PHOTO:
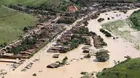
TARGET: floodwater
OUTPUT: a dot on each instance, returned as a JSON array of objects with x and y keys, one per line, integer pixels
[{"x": 118, "y": 49}]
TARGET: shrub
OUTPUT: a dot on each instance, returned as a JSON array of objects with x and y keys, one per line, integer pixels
[
  {"x": 34, "y": 74},
  {"x": 66, "y": 20},
  {"x": 102, "y": 55},
  {"x": 107, "y": 34},
  {"x": 64, "y": 60},
  {"x": 101, "y": 19},
  {"x": 85, "y": 23}
]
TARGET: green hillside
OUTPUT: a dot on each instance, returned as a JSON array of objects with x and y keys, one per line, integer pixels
[
  {"x": 127, "y": 69},
  {"x": 135, "y": 18},
  {"x": 45, "y": 4},
  {"x": 12, "y": 24},
  {"x": 31, "y": 2}
]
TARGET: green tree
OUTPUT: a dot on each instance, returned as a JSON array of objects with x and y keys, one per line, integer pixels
[
  {"x": 102, "y": 55},
  {"x": 64, "y": 60}
]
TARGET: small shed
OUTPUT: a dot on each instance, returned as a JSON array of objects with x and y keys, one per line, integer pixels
[
  {"x": 56, "y": 56},
  {"x": 53, "y": 65}
]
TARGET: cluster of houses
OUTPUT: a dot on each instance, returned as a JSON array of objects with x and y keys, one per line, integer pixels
[
  {"x": 67, "y": 37},
  {"x": 53, "y": 29},
  {"x": 29, "y": 65},
  {"x": 98, "y": 41},
  {"x": 63, "y": 43},
  {"x": 49, "y": 31},
  {"x": 105, "y": 7}
]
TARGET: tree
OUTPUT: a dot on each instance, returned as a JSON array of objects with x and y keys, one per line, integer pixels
[
  {"x": 3, "y": 45},
  {"x": 85, "y": 23},
  {"x": 25, "y": 29},
  {"x": 74, "y": 43},
  {"x": 101, "y": 19},
  {"x": 84, "y": 30},
  {"x": 34, "y": 74},
  {"x": 107, "y": 34},
  {"x": 64, "y": 60},
  {"x": 127, "y": 57},
  {"x": 87, "y": 56},
  {"x": 102, "y": 55}
]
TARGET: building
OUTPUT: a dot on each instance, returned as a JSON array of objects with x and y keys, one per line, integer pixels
[{"x": 72, "y": 8}]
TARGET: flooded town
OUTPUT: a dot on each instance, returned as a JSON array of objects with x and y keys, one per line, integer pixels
[{"x": 83, "y": 42}]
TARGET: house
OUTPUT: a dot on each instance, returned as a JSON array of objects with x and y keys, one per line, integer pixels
[
  {"x": 55, "y": 56},
  {"x": 53, "y": 50},
  {"x": 64, "y": 49},
  {"x": 72, "y": 8},
  {"x": 53, "y": 65},
  {"x": 65, "y": 38},
  {"x": 25, "y": 53},
  {"x": 86, "y": 51}
]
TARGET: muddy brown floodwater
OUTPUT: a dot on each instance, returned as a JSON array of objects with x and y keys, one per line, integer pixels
[{"x": 118, "y": 49}]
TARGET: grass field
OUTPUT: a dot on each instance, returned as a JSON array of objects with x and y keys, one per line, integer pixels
[
  {"x": 124, "y": 29},
  {"x": 12, "y": 24},
  {"x": 32, "y": 2},
  {"x": 47, "y": 4},
  {"x": 120, "y": 28},
  {"x": 126, "y": 69}
]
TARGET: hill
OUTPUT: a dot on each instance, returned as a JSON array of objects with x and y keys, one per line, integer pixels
[
  {"x": 12, "y": 23},
  {"x": 126, "y": 69},
  {"x": 55, "y": 5}
]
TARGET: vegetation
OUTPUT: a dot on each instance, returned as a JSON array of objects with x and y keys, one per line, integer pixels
[
  {"x": 85, "y": 23},
  {"x": 101, "y": 19},
  {"x": 87, "y": 75},
  {"x": 12, "y": 24},
  {"x": 112, "y": 1},
  {"x": 83, "y": 30},
  {"x": 80, "y": 2},
  {"x": 135, "y": 19},
  {"x": 54, "y": 5},
  {"x": 102, "y": 55},
  {"x": 34, "y": 74},
  {"x": 104, "y": 2},
  {"x": 123, "y": 28},
  {"x": 25, "y": 29},
  {"x": 129, "y": 68},
  {"x": 3, "y": 45},
  {"x": 66, "y": 20},
  {"x": 60, "y": 63},
  {"x": 28, "y": 43},
  {"x": 87, "y": 56},
  {"x": 76, "y": 40},
  {"x": 64, "y": 61},
  {"x": 107, "y": 34},
  {"x": 74, "y": 43}
]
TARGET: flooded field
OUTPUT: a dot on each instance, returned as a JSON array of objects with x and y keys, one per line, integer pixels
[{"x": 123, "y": 28}]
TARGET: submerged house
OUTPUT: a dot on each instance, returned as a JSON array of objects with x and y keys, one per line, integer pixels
[{"x": 72, "y": 8}]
